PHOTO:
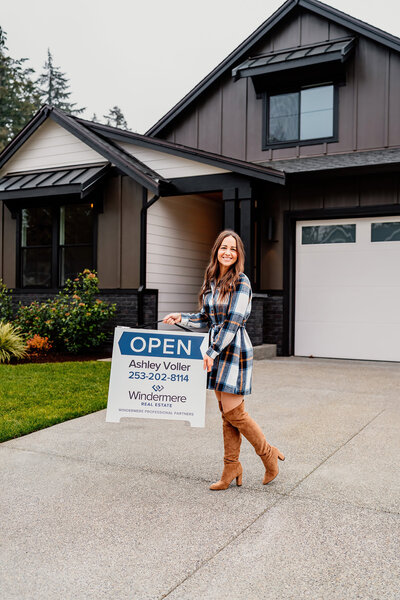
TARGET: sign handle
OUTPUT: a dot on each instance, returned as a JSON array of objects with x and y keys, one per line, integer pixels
[{"x": 160, "y": 321}]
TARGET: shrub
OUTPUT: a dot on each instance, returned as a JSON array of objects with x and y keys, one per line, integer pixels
[
  {"x": 38, "y": 345},
  {"x": 37, "y": 319},
  {"x": 74, "y": 320},
  {"x": 12, "y": 344},
  {"x": 6, "y": 312}
]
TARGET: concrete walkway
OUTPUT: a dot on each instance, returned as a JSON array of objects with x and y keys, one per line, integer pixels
[{"x": 96, "y": 510}]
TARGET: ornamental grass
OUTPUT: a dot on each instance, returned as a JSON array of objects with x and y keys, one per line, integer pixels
[{"x": 12, "y": 343}]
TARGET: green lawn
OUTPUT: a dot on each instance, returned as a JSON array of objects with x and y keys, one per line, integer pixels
[{"x": 34, "y": 396}]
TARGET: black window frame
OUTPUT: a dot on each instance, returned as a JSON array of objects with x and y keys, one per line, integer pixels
[
  {"x": 54, "y": 204},
  {"x": 266, "y": 145}
]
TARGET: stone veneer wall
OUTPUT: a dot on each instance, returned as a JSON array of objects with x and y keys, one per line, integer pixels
[
  {"x": 273, "y": 322},
  {"x": 265, "y": 324}
]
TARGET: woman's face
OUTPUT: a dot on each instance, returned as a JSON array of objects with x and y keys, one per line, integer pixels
[{"x": 227, "y": 253}]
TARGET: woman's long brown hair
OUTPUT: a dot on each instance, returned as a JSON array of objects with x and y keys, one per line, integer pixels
[{"x": 213, "y": 273}]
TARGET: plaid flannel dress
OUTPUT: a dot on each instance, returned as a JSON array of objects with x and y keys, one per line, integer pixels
[{"x": 230, "y": 345}]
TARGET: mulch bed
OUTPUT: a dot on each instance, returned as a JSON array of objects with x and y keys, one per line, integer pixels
[{"x": 55, "y": 357}]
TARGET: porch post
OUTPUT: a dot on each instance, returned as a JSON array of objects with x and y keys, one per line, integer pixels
[
  {"x": 229, "y": 197},
  {"x": 247, "y": 232}
]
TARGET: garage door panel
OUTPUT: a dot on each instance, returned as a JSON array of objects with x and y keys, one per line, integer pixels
[
  {"x": 337, "y": 340},
  {"x": 328, "y": 268},
  {"x": 372, "y": 304},
  {"x": 379, "y": 268},
  {"x": 347, "y": 298}
]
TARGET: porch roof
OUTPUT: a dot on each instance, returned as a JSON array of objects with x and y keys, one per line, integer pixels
[{"x": 78, "y": 180}]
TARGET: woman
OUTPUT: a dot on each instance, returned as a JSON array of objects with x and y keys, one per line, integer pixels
[{"x": 225, "y": 300}]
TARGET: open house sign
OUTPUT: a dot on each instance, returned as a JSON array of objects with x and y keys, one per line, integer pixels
[{"x": 157, "y": 375}]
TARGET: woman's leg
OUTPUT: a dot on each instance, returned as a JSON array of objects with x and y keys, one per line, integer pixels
[
  {"x": 232, "y": 442},
  {"x": 269, "y": 455},
  {"x": 230, "y": 401}
]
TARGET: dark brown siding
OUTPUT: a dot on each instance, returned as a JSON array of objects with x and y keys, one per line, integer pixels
[
  {"x": 119, "y": 234},
  {"x": 394, "y": 100},
  {"x": 2, "y": 208},
  {"x": 234, "y": 101},
  {"x": 210, "y": 113},
  {"x": 9, "y": 248},
  {"x": 228, "y": 118}
]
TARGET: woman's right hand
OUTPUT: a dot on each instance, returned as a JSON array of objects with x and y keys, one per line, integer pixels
[{"x": 172, "y": 318}]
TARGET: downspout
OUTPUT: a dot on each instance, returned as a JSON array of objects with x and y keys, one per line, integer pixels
[{"x": 143, "y": 252}]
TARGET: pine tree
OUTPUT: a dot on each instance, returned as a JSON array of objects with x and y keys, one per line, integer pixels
[
  {"x": 115, "y": 118},
  {"x": 54, "y": 88},
  {"x": 19, "y": 96}
]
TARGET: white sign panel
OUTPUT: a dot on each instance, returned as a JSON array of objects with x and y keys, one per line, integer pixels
[{"x": 157, "y": 375}]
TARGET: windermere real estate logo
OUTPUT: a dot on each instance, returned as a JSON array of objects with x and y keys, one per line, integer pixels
[{"x": 157, "y": 375}]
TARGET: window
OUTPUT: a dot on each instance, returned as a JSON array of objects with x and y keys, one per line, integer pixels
[
  {"x": 301, "y": 117},
  {"x": 328, "y": 234},
  {"x": 56, "y": 243},
  {"x": 385, "y": 232}
]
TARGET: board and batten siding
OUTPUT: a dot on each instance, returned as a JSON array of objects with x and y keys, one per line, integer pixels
[
  {"x": 180, "y": 234},
  {"x": 118, "y": 246},
  {"x": 168, "y": 165},
  {"x": 51, "y": 146},
  {"x": 7, "y": 246},
  {"x": 228, "y": 117}
]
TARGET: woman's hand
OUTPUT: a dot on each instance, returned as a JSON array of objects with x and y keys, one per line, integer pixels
[
  {"x": 172, "y": 318},
  {"x": 208, "y": 363}
]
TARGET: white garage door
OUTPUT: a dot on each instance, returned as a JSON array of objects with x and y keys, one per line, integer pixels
[{"x": 347, "y": 302}]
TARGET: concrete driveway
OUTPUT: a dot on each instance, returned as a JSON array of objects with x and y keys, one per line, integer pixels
[{"x": 93, "y": 510}]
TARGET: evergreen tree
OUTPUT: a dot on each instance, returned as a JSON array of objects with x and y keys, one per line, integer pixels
[
  {"x": 115, "y": 118},
  {"x": 54, "y": 88},
  {"x": 19, "y": 96}
]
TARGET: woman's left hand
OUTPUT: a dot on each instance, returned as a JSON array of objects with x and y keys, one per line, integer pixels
[{"x": 208, "y": 363}]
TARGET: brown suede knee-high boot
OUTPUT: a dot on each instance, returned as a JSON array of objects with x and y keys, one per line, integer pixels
[
  {"x": 240, "y": 419},
  {"x": 232, "y": 466}
]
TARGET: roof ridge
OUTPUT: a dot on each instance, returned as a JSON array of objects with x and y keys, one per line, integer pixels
[{"x": 238, "y": 53}]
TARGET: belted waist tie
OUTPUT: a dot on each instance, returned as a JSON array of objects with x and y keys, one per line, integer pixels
[{"x": 215, "y": 327}]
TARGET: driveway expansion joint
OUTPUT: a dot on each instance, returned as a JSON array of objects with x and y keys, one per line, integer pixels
[{"x": 335, "y": 451}]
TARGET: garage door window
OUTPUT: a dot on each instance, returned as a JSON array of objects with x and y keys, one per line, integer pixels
[
  {"x": 328, "y": 234},
  {"x": 385, "y": 232}
]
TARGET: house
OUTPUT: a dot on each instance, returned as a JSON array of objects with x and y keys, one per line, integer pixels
[{"x": 293, "y": 141}]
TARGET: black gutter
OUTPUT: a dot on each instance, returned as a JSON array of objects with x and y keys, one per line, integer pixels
[{"x": 143, "y": 251}]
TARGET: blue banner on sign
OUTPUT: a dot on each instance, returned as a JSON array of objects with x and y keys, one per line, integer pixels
[{"x": 154, "y": 344}]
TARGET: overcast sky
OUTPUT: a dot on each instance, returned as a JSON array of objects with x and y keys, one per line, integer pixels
[{"x": 145, "y": 55}]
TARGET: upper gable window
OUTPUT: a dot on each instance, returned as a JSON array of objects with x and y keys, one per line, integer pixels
[{"x": 302, "y": 116}]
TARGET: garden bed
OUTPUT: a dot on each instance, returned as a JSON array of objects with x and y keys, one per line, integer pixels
[{"x": 60, "y": 357}]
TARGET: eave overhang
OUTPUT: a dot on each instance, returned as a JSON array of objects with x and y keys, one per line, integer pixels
[{"x": 217, "y": 160}]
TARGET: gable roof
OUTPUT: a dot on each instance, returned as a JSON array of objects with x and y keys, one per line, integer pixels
[
  {"x": 104, "y": 140},
  {"x": 241, "y": 52},
  {"x": 125, "y": 162}
]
